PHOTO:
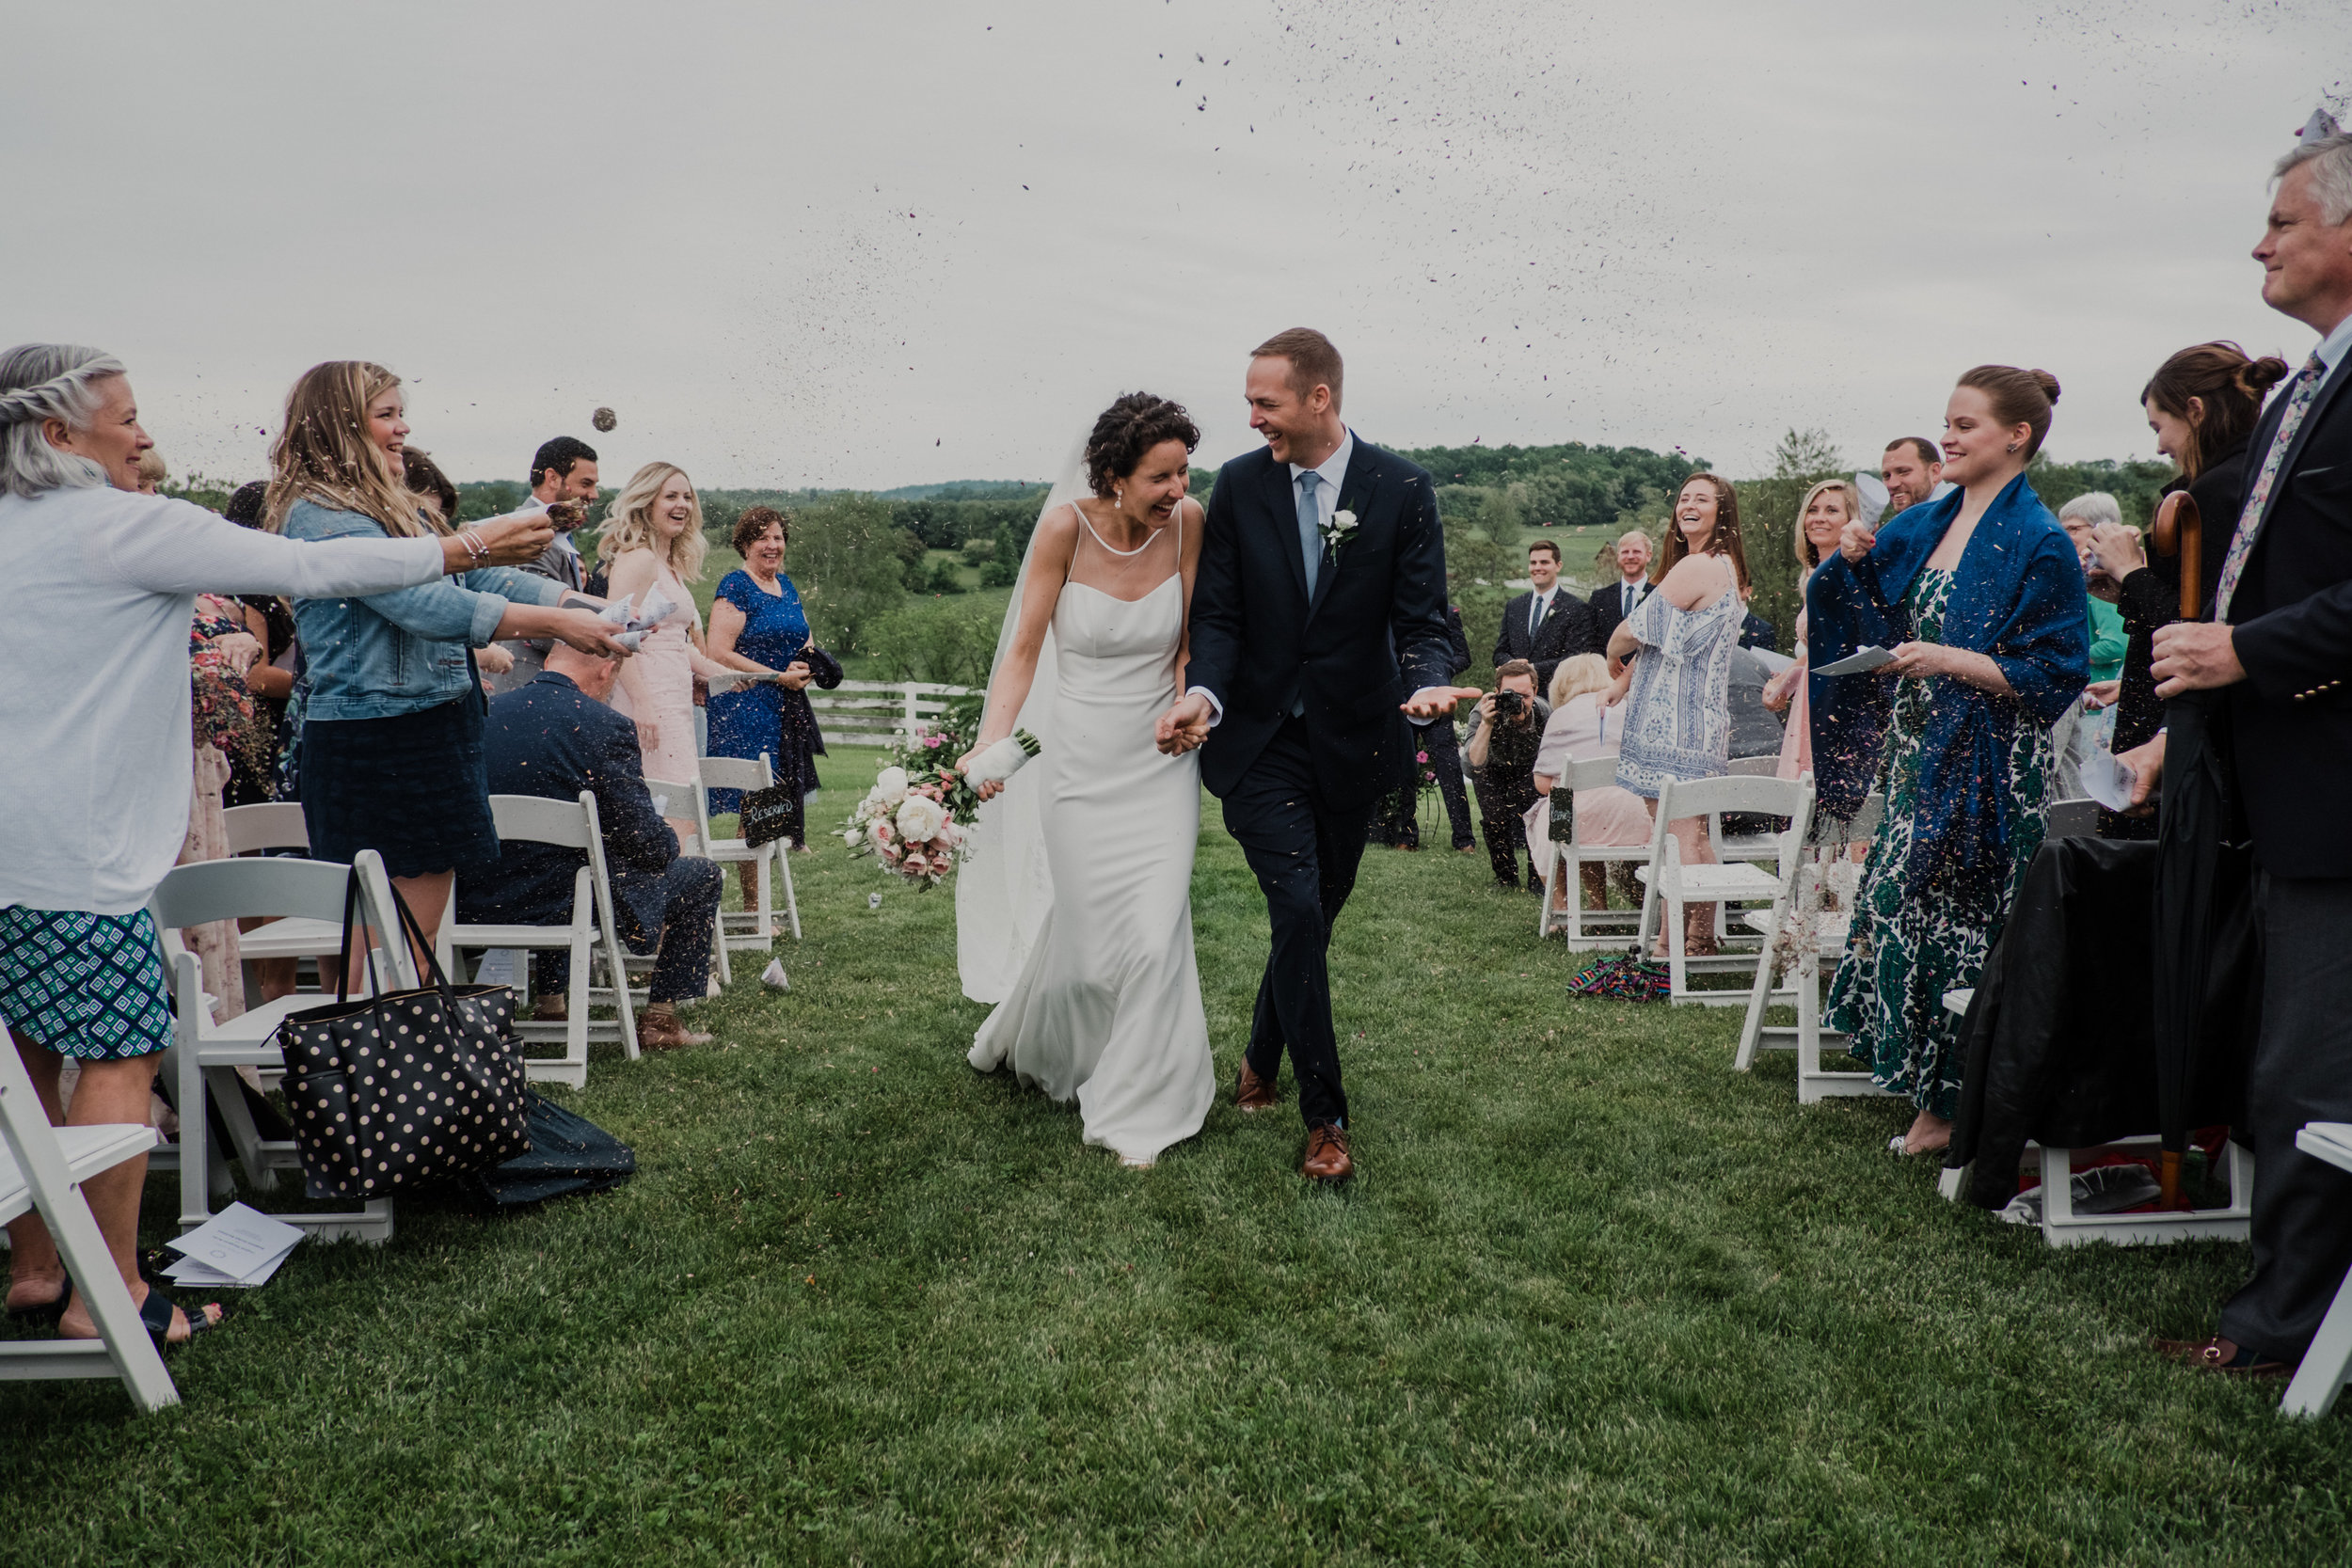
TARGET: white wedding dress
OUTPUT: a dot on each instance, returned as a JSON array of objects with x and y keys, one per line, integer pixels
[{"x": 1107, "y": 1008}]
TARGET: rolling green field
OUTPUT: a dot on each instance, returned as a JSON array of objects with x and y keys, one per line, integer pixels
[{"x": 1592, "y": 1299}]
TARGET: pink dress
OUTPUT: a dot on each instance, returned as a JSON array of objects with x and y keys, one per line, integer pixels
[
  {"x": 1580, "y": 729},
  {"x": 668, "y": 676}
]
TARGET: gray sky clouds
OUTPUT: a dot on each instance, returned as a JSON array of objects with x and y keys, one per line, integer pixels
[{"x": 887, "y": 244}]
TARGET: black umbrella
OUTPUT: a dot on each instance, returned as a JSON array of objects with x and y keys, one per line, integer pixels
[{"x": 2207, "y": 962}]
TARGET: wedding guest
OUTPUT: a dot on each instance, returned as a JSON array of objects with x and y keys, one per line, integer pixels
[
  {"x": 1828, "y": 507},
  {"x": 1547, "y": 623},
  {"x": 1912, "y": 468},
  {"x": 271, "y": 677},
  {"x": 554, "y": 739},
  {"x": 1435, "y": 751},
  {"x": 1580, "y": 729},
  {"x": 96, "y": 772},
  {"x": 1505, "y": 731},
  {"x": 392, "y": 740},
  {"x": 2279, "y": 646},
  {"x": 1756, "y": 730},
  {"x": 756, "y": 622},
  {"x": 1614, "y": 603},
  {"x": 2202, "y": 403},
  {"x": 1978, "y": 595},
  {"x": 653, "y": 544},
  {"x": 2080, "y": 517},
  {"x": 1677, "y": 692},
  {"x": 153, "y": 472},
  {"x": 228, "y": 732},
  {"x": 436, "y": 493},
  {"x": 562, "y": 470}
]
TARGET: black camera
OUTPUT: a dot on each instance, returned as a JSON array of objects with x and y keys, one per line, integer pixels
[{"x": 1510, "y": 705}]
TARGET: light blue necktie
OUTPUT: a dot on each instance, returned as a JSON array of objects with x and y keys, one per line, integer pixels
[{"x": 1311, "y": 529}]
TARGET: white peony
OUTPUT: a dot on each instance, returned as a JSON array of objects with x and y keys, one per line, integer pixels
[
  {"x": 920, "y": 818},
  {"x": 891, "y": 784},
  {"x": 851, "y": 835}
]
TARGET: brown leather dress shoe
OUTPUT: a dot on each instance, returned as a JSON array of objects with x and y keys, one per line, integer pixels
[
  {"x": 1251, "y": 1092},
  {"x": 2223, "y": 1355},
  {"x": 1326, "y": 1154},
  {"x": 660, "y": 1029}
]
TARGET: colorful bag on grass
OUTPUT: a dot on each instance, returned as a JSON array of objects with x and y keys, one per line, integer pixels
[{"x": 1622, "y": 977}]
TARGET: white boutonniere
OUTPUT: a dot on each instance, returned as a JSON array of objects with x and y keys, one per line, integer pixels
[{"x": 1339, "y": 531}]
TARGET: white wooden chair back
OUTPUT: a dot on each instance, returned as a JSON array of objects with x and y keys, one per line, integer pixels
[
  {"x": 753, "y": 927},
  {"x": 271, "y": 825},
  {"x": 1584, "y": 929},
  {"x": 1672, "y": 885},
  {"x": 1754, "y": 768},
  {"x": 41, "y": 1168}
]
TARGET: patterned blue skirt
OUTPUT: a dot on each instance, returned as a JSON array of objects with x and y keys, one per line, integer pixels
[{"x": 87, "y": 986}]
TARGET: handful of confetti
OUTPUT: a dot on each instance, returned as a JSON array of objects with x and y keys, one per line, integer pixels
[{"x": 635, "y": 621}]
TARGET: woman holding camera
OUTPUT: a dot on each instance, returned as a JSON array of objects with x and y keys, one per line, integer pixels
[
  {"x": 1677, "y": 690},
  {"x": 1980, "y": 598}
]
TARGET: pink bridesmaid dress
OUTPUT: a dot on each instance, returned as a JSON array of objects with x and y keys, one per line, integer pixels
[{"x": 668, "y": 674}]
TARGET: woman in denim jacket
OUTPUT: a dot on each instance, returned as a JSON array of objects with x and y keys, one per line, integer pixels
[{"x": 391, "y": 741}]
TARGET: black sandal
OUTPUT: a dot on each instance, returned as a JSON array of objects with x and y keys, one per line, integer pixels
[
  {"x": 155, "y": 1312},
  {"x": 42, "y": 1313}
]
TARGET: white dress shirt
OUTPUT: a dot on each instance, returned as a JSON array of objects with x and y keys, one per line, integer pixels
[
  {"x": 1539, "y": 605},
  {"x": 1628, "y": 594}
]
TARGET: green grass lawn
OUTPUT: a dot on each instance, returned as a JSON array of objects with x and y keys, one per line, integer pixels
[{"x": 1593, "y": 1298}]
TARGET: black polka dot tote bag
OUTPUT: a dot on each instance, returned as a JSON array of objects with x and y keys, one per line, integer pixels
[{"x": 390, "y": 1093}]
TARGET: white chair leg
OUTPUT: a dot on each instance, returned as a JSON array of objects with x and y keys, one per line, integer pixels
[
  {"x": 791, "y": 903},
  {"x": 1760, "y": 999},
  {"x": 764, "y": 922},
  {"x": 99, "y": 1282},
  {"x": 195, "y": 1203},
  {"x": 2325, "y": 1364}
]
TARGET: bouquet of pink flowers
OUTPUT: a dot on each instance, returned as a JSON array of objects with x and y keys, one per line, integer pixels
[{"x": 917, "y": 819}]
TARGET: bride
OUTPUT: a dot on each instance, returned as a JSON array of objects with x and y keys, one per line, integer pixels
[{"x": 1074, "y": 913}]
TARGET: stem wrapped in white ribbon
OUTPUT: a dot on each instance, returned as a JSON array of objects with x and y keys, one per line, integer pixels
[{"x": 1004, "y": 759}]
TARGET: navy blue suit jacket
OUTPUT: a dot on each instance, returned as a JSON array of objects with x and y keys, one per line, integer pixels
[
  {"x": 1374, "y": 633},
  {"x": 552, "y": 739}
]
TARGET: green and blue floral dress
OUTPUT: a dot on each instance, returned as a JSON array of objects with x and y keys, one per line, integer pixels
[{"x": 1908, "y": 946}]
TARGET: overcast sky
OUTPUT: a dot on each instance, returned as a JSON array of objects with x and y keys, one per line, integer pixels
[{"x": 885, "y": 243}]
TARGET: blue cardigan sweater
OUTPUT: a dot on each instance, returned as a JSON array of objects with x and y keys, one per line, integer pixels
[{"x": 2017, "y": 596}]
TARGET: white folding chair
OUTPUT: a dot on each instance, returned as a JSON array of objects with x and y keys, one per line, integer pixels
[
  {"x": 685, "y": 800},
  {"x": 1671, "y": 886},
  {"x": 1745, "y": 846},
  {"x": 42, "y": 1167},
  {"x": 568, "y": 825},
  {"x": 2328, "y": 1362},
  {"x": 752, "y": 927},
  {"x": 1584, "y": 929},
  {"x": 206, "y": 1054},
  {"x": 1826, "y": 843},
  {"x": 279, "y": 825}
]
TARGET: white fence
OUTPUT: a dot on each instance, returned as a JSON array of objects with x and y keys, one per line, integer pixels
[{"x": 878, "y": 713}]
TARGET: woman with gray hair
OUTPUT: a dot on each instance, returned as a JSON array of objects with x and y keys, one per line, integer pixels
[
  {"x": 95, "y": 768},
  {"x": 2081, "y": 518}
]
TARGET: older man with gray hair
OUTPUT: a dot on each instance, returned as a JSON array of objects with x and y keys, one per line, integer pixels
[{"x": 2279, "y": 649}]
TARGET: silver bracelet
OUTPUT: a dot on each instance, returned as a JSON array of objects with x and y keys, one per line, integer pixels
[{"x": 475, "y": 548}]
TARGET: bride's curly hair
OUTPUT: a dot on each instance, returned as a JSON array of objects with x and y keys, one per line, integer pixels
[{"x": 1129, "y": 428}]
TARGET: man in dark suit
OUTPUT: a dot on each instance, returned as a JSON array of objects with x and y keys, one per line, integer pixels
[
  {"x": 553, "y": 739},
  {"x": 1617, "y": 600},
  {"x": 1318, "y": 625},
  {"x": 2279, "y": 644},
  {"x": 1547, "y": 622}
]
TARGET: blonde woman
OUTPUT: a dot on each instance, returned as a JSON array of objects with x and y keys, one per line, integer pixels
[
  {"x": 392, "y": 740},
  {"x": 1580, "y": 729},
  {"x": 653, "y": 540},
  {"x": 1829, "y": 506}
]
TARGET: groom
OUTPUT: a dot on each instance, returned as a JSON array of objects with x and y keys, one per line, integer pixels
[{"x": 1319, "y": 604}]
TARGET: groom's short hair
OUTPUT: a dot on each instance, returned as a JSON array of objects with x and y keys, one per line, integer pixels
[{"x": 1314, "y": 362}]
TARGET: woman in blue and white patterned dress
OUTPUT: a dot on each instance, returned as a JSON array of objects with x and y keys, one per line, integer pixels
[{"x": 1676, "y": 691}]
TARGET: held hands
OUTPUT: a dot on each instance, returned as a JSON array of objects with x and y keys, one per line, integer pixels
[
  {"x": 2194, "y": 655},
  {"x": 1781, "y": 688},
  {"x": 238, "y": 650},
  {"x": 1856, "y": 541},
  {"x": 1184, "y": 727},
  {"x": 1437, "y": 702},
  {"x": 796, "y": 677},
  {"x": 2117, "y": 549},
  {"x": 494, "y": 661}
]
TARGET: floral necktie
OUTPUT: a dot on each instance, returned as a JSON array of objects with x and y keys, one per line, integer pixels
[{"x": 2299, "y": 400}]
